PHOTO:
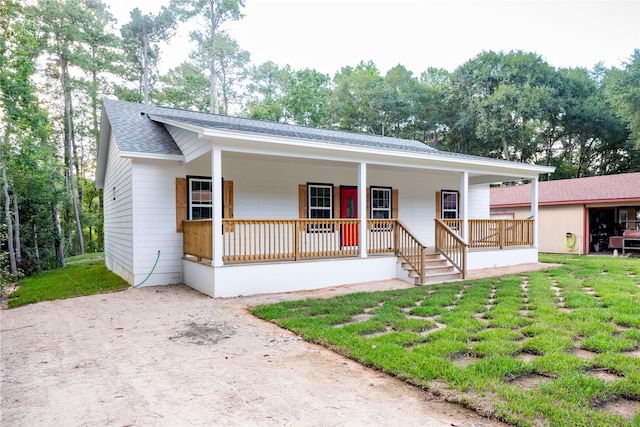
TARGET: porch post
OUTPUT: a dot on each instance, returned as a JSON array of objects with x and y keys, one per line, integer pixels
[
  {"x": 464, "y": 201},
  {"x": 534, "y": 210},
  {"x": 362, "y": 202},
  {"x": 216, "y": 186}
]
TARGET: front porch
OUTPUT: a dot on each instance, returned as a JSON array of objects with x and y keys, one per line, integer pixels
[{"x": 319, "y": 243}]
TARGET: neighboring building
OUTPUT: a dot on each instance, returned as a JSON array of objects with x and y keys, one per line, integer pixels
[
  {"x": 576, "y": 215},
  {"x": 234, "y": 206}
]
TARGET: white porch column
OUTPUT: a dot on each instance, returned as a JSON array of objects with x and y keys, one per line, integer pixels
[
  {"x": 216, "y": 185},
  {"x": 534, "y": 210},
  {"x": 362, "y": 203},
  {"x": 464, "y": 201}
]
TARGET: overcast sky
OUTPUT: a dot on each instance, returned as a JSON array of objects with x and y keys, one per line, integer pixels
[{"x": 328, "y": 34}]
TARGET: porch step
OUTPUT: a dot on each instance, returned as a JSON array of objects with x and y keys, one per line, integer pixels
[{"x": 437, "y": 270}]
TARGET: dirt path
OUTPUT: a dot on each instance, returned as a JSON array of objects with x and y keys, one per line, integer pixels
[{"x": 170, "y": 356}]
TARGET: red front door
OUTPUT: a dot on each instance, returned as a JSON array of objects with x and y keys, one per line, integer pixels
[{"x": 349, "y": 209}]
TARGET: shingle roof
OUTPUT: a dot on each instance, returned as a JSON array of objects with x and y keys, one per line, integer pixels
[
  {"x": 566, "y": 191},
  {"x": 302, "y": 132},
  {"x": 136, "y": 132},
  {"x": 145, "y": 135},
  {"x": 139, "y": 128}
]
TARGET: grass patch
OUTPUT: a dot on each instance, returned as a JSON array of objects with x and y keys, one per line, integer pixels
[
  {"x": 85, "y": 257},
  {"x": 85, "y": 276},
  {"x": 420, "y": 334}
]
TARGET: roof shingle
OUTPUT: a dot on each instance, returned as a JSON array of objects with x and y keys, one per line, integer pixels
[
  {"x": 135, "y": 131},
  {"x": 567, "y": 191}
]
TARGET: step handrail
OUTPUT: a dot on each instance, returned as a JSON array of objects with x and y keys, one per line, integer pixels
[
  {"x": 451, "y": 246},
  {"x": 411, "y": 249}
]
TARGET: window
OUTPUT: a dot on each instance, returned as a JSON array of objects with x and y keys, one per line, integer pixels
[
  {"x": 449, "y": 204},
  {"x": 320, "y": 201},
  {"x": 380, "y": 203},
  {"x": 622, "y": 219},
  {"x": 200, "y": 198}
]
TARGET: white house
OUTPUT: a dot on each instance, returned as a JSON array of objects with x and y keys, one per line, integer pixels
[{"x": 234, "y": 206}]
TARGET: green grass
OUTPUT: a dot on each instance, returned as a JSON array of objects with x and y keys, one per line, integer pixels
[
  {"x": 85, "y": 275},
  {"x": 478, "y": 338}
]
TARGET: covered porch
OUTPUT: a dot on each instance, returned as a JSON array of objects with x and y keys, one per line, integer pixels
[
  {"x": 257, "y": 241},
  {"x": 235, "y": 250},
  {"x": 299, "y": 217}
]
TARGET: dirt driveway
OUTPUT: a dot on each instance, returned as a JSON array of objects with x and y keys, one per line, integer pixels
[{"x": 170, "y": 356}]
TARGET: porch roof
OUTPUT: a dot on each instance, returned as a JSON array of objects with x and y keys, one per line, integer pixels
[{"x": 140, "y": 131}]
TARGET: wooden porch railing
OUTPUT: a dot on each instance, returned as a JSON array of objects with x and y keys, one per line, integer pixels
[
  {"x": 266, "y": 240},
  {"x": 288, "y": 239},
  {"x": 451, "y": 246},
  {"x": 495, "y": 233},
  {"x": 381, "y": 236},
  {"x": 196, "y": 239},
  {"x": 500, "y": 233},
  {"x": 295, "y": 239}
]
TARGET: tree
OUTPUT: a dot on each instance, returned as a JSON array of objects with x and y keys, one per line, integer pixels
[
  {"x": 622, "y": 88},
  {"x": 214, "y": 13},
  {"x": 185, "y": 87},
  {"x": 231, "y": 67},
  {"x": 28, "y": 159},
  {"x": 503, "y": 101},
  {"x": 305, "y": 96},
  {"x": 63, "y": 25},
  {"x": 432, "y": 110},
  {"x": 265, "y": 92},
  {"x": 354, "y": 105},
  {"x": 143, "y": 30}
]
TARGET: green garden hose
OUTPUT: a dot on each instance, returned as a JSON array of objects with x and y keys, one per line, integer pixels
[{"x": 149, "y": 275}]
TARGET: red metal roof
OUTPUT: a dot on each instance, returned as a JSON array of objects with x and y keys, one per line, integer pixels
[{"x": 595, "y": 189}]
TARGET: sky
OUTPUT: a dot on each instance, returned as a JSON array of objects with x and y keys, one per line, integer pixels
[{"x": 327, "y": 35}]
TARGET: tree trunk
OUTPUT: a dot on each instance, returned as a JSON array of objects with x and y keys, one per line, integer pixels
[
  {"x": 505, "y": 148},
  {"x": 16, "y": 228},
  {"x": 58, "y": 234},
  {"x": 213, "y": 102},
  {"x": 145, "y": 68},
  {"x": 7, "y": 212},
  {"x": 35, "y": 244},
  {"x": 64, "y": 72}
]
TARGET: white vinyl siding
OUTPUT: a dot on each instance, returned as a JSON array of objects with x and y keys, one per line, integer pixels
[
  {"x": 118, "y": 214},
  {"x": 479, "y": 201},
  {"x": 154, "y": 222},
  {"x": 190, "y": 144},
  {"x": 267, "y": 187}
]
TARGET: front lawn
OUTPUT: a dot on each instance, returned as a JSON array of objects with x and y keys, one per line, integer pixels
[
  {"x": 558, "y": 347},
  {"x": 84, "y": 275}
]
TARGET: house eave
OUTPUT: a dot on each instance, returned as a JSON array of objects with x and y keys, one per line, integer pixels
[
  {"x": 621, "y": 201},
  {"x": 103, "y": 148},
  {"x": 151, "y": 156}
]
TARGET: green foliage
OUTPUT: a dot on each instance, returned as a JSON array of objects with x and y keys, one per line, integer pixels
[
  {"x": 623, "y": 91},
  {"x": 84, "y": 278}
]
